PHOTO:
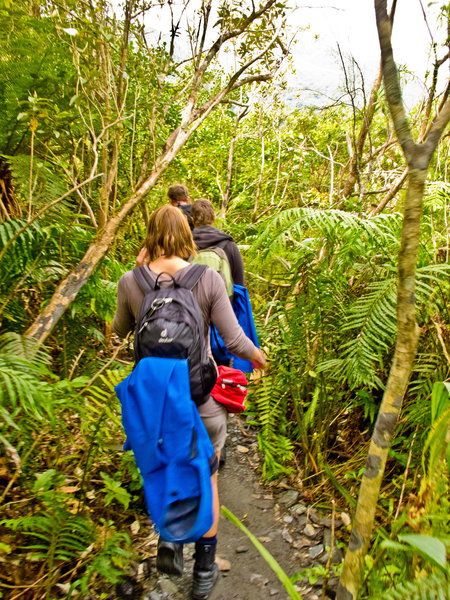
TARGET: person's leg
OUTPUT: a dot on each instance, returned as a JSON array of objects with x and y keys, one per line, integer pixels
[
  {"x": 169, "y": 558},
  {"x": 205, "y": 569},
  {"x": 217, "y": 430}
]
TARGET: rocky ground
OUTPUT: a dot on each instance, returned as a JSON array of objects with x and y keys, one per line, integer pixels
[{"x": 294, "y": 532}]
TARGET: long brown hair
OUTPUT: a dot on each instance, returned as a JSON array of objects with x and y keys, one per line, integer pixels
[{"x": 168, "y": 233}]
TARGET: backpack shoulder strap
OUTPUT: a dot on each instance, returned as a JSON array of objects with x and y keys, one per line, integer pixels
[
  {"x": 222, "y": 244},
  {"x": 192, "y": 275},
  {"x": 144, "y": 278}
]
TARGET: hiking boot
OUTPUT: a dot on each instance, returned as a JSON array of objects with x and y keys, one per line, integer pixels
[
  {"x": 206, "y": 571},
  {"x": 203, "y": 582},
  {"x": 170, "y": 557}
]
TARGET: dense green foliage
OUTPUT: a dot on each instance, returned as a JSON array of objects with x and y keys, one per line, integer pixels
[{"x": 320, "y": 268}]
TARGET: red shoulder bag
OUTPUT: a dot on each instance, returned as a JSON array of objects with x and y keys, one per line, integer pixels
[{"x": 230, "y": 389}]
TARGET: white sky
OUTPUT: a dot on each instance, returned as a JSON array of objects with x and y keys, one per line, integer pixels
[{"x": 351, "y": 23}]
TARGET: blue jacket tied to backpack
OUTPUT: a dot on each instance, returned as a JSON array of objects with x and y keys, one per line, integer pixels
[
  {"x": 243, "y": 311},
  {"x": 171, "y": 447}
]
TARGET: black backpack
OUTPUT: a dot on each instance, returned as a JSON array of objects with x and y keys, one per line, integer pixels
[{"x": 170, "y": 325}]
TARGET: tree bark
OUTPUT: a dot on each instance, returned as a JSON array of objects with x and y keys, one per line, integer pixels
[
  {"x": 391, "y": 193},
  {"x": 227, "y": 194},
  {"x": 418, "y": 157},
  {"x": 192, "y": 117},
  {"x": 365, "y": 127},
  {"x": 67, "y": 290}
]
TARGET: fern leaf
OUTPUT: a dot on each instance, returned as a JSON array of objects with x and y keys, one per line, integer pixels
[{"x": 435, "y": 587}]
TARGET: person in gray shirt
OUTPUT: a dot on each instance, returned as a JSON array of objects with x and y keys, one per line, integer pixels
[{"x": 168, "y": 246}]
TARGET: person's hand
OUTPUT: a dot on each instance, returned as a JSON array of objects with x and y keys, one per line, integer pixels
[
  {"x": 142, "y": 258},
  {"x": 258, "y": 359}
]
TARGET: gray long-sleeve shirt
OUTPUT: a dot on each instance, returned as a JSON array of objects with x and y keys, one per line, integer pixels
[{"x": 211, "y": 295}]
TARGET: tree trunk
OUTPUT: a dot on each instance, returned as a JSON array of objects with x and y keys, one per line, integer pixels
[
  {"x": 418, "y": 157},
  {"x": 405, "y": 351},
  {"x": 67, "y": 290},
  {"x": 261, "y": 170},
  {"x": 391, "y": 193},
  {"x": 365, "y": 127},
  {"x": 227, "y": 195},
  {"x": 192, "y": 116}
]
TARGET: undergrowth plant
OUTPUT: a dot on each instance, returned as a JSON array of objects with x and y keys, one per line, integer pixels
[
  {"x": 61, "y": 449},
  {"x": 329, "y": 332}
]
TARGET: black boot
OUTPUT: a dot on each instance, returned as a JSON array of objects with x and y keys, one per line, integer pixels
[
  {"x": 170, "y": 557},
  {"x": 205, "y": 570},
  {"x": 223, "y": 457}
]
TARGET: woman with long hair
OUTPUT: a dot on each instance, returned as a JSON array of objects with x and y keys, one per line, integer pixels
[{"x": 168, "y": 247}]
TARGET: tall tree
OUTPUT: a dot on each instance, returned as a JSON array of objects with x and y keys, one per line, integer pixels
[
  {"x": 369, "y": 112},
  {"x": 418, "y": 156},
  {"x": 254, "y": 31}
]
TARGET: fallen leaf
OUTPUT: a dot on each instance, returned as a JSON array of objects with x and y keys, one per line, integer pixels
[
  {"x": 223, "y": 564},
  {"x": 87, "y": 551},
  {"x": 13, "y": 454},
  {"x": 345, "y": 519},
  {"x": 69, "y": 489},
  {"x": 64, "y": 587},
  {"x": 242, "y": 449},
  {"x": 283, "y": 485},
  {"x": 135, "y": 526}
]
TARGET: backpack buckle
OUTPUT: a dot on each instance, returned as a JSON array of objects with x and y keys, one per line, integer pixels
[{"x": 159, "y": 303}]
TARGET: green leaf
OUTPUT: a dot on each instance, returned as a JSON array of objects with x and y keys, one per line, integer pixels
[
  {"x": 391, "y": 545},
  {"x": 6, "y": 548},
  {"x": 428, "y": 547},
  {"x": 282, "y": 576},
  {"x": 440, "y": 399},
  {"x": 44, "y": 480}
]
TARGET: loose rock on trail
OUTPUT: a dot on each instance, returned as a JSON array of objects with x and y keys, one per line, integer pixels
[{"x": 294, "y": 533}]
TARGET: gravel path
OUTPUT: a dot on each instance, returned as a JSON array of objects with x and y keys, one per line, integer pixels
[{"x": 294, "y": 533}]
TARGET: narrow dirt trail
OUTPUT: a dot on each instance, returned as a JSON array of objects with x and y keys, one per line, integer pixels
[
  {"x": 293, "y": 533},
  {"x": 249, "y": 577}
]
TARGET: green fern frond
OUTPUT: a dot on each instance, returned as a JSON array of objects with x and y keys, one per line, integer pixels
[
  {"x": 289, "y": 226},
  {"x": 49, "y": 185},
  {"x": 429, "y": 367},
  {"x": 102, "y": 399},
  {"x": 374, "y": 313},
  {"x": 372, "y": 317},
  {"x": 23, "y": 378},
  {"x": 110, "y": 562},
  {"x": 437, "y": 196},
  {"x": 25, "y": 239},
  {"x": 55, "y": 534},
  {"x": 269, "y": 402},
  {"x": 278, "y": 452},
  {"x": 435, "y": 587},
  {"x": 24, "y": 347}
]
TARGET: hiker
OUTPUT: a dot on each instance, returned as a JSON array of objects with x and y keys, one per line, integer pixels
[
  {"x": 207, "y": 236},
  {"x": 179, "y": 196},
  {"x": 168, "y": 245}
]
